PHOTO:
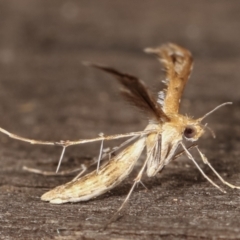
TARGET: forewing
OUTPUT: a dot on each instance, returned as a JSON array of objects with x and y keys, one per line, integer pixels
[
  {"x": 178, "y": 65},
  {"x": 135, "y": 91},
  {"x": 97, "y": 183}
]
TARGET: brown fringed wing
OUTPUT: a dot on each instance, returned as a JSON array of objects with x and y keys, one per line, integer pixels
[
  {"x": 136, "y": 92},
  {"x": 178, "y": 64}
]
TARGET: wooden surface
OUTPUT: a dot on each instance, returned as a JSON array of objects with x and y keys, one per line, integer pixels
[{"x": 45, "y": 93}]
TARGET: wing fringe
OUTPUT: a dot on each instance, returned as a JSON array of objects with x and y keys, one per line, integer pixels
[
  {"x": 136, "y": 92},
  {"x": 177, "y": 62}
]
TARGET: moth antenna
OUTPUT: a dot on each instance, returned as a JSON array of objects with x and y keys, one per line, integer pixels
[
  {"x": 100, "y": 153},
  {"x": 60, "y": 159},
  {"x": 210, "y": 130},
  {"x": 216, "y": 108}
]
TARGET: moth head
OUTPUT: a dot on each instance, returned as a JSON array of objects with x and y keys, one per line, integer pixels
[{"x": 194, "y": 129}]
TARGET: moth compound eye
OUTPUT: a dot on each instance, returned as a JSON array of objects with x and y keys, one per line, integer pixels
[{"x": 189, "y": 132}]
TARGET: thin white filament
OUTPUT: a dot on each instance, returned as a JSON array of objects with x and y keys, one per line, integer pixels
[
  {"x": 216, "y": 108},
  {"x": 60, "y": 160},
  {"x": 193, "y": 160}
]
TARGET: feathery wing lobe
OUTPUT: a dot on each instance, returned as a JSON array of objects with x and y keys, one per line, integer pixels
[
  {"x": 135, "y": 91},
  {"x": 178, "y": 65}
]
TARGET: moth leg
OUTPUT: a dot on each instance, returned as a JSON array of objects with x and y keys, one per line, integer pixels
[
  {"x": 50, "y": 173},
  {"x": 60, "y": 159},
  {"x": 100, "y": 153},
  {"x": 182, "y": 152},
  {"x": 136, "y": 181},
  {"x": 31, "y": 141},
  {"x": 68, "y": 143},
  {"x": 83, "y": 170},
  {"x": 109, "y": 153},
  {"x": 143, "y": 185},
  {"x": 123, "y": 144},
  {"x": 205, "y": 160},
  {"x": 114, "y": 149},
  {"x": 189, "y": 155},
  {"x": 116, "y": 216}
]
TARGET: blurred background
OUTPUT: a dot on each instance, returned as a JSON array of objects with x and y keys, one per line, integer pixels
[
  {"x": 46, "y": 92},
  {"x": 43, "y": 43}
]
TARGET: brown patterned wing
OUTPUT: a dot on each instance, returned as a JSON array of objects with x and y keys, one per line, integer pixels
[
  {"x": 135, "y": 91},
  {"x": 178, "y": 65}
]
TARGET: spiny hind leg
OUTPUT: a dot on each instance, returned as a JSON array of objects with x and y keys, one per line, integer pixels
[
  {"x": 189, "y": 155},
  {"x": 65, "y": 144},
  {"x": 136, "y": 181},
  {"x": 103, "y": 153},
  {"x": 182, "y": 152},
  {"x": 205, "y": 160},
  {"x": 117, "y": 215},
  {"x": 28, "y": 140},
  {"x": 106, "y": 152},
  {"x": 81, "y": 170},
  {"x": 50, "y": 173}
]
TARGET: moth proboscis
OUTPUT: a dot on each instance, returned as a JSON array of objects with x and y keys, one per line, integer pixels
[{"x": 165, "y": 132}]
